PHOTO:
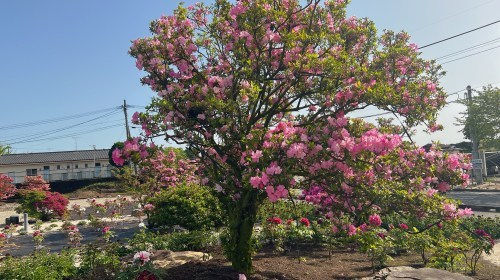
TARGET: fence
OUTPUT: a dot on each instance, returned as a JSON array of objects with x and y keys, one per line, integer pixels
[{"x": 66, "y": 175}]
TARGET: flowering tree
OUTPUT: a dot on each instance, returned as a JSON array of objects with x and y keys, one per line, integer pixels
[
  {"x": 7, "y": 189},
  {"x": 261, "y": 90},
  {"x": 35, "y": 183}
]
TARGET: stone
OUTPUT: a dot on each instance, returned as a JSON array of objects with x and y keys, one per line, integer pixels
[{"x": 166, "y": 259}]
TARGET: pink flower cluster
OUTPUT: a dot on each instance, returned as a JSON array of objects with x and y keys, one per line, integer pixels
[{"x": 142, "y": 256}]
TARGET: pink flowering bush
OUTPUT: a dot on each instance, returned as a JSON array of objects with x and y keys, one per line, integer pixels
[
  {"x": 54, "y": 203},
  {"x": 35, "y": 183},
  {"x": 262, "y": 93},
  {"x": 161, "y": 170},
  {"x": 7, "y": 189}
]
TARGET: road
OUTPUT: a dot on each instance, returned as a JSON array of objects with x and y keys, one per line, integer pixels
[{"x": 472, "y": 198}]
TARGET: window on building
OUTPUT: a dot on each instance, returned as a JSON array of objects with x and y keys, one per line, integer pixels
[
  {"x": 30, "y": 172},
  {"x": 58, "y": 167},
  {"x": 86, "y": 165},
  {"x": 97, "y": 164},
  {"x": 76, "y": 165},
  {"x": 67, "y": 167},
  {"x": 46, "y": 167}
]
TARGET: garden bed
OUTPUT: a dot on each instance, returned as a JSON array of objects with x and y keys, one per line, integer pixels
[{"x": 315, "y": 264}]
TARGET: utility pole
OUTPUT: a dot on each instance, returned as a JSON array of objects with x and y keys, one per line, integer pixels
[
  {"x": 126, "y": 119},
  {"x": 477, "y": 169}
]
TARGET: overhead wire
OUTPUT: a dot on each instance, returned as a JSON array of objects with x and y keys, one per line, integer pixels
[
  {"x": 71, "y": 134},
  {"x": 458, "y": 35},
  {"x": 468, "y": 49},
  {"x": 58, "y": 119},
  {"x": 476, "y": 53},
  {"x": 15, "y": 141},
  {"x": 451, "y": 16}
]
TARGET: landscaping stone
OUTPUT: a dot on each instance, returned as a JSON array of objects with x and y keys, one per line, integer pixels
[
  {"x": 168, "y": 259},
  {"x": 406, "y": 272}
]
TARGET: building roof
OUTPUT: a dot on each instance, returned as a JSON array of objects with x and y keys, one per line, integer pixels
[{"x": 13, "y": 159}]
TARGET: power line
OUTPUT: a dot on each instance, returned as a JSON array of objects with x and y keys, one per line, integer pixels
[
  {"x": 70, "y": 135},
  {"x": 20, "y": 140},
  {"x": 468, "y": 49},
  {"x": 450, "y": 16},
  {"x": 30, "y": 134},
  {"x": 471, "y": 55},
  {"x": 458, "y": 35},
  {"x": 58, "y": 119}
]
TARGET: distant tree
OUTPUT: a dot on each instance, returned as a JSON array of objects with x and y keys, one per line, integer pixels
[
  {"x": 4, "y": 149},
  {"x": 482, "y": 118}
]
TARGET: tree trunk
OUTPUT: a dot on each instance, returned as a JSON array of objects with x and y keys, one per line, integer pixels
[{"x": 242, "y": 220}]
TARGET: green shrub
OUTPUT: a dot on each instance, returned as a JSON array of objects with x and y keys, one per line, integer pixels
[
  {"x": 28, "y": 202},
  {"x": 192, "y": 241},
  {"x": 99, "y": 263},
  {"x": 490, "y": 225},
  {"x": 40, "y": 266},
  {"x": 192, "y": 207},
  {"x": 177, "y": 241}
]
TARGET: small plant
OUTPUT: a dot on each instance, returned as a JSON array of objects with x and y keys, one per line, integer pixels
[
  {"x": 107, "y": 234},
  {"x": 78, "y": 209},
  {"x": 74, "y": 235},
  {"x": 142, "y": 268},
  {"x": 96, "y": 223},
  {"x": 38, "y": 238}
]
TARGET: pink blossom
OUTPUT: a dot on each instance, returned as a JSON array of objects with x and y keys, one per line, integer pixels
[
  {"x": 142, "y": 256},
  {"x": 135, "y": 118},
  {"x": 431, "y": 192},
  {"x": 273, "y": 169},
  {"x": 105, "y": 230},
  {"x": 467, "y": 212},
  {"x": 443, "y": 187},
  {"x": 256, "y": 155},
  {"x": 149, "y": 207},
  {"x": 117, "y": 157},
  {"x": 375, "y": 220},
  {"x": 242, "y": 277},
  {"x": 274, "y": 195},
  {"x": 351, "y": 230},
  {"x": 255, "y": 181}
]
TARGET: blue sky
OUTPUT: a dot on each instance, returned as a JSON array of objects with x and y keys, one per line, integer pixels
[{"x": 64, "y": 58}]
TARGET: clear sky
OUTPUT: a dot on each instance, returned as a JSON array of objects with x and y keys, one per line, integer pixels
[{"x": 67, "y": 62}]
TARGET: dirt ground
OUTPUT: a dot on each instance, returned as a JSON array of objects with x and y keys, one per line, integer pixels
[{"x": 315, "y": 263}]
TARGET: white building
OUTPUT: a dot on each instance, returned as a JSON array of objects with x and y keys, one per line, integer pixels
[{"x": 57, "y": 166}]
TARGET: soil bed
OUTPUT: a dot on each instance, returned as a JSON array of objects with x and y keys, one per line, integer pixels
[{"x": 315, "y": 264}]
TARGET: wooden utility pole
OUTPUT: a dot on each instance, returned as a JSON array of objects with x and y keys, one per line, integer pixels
[
  {"x": 126, "y": 119},
  {"x": 477, "y": 169}
]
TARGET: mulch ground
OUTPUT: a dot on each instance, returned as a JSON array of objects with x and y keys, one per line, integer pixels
[{"x": 315, "y": 263}]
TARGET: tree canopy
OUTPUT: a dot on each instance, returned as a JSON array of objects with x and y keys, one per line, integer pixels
[
  {"x": 261, "y": 92},
  {"x": 482, "y": 118}
]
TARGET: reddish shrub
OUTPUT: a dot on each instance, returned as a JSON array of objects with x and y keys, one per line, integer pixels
[
  {"x": 54, "y": 202},
  {"x": 7, "y": 189}
]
